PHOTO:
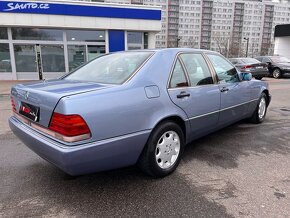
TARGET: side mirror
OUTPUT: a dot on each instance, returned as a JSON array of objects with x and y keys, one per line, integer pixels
[{"x": 246, "y": 76}]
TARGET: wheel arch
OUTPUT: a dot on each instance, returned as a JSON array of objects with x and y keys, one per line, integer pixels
[
  {"x": 266, "y": 91},
  {"x": 176, "y": 119}
]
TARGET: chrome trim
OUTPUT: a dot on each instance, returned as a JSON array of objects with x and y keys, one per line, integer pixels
[
  {"x": 224, "y": 109},
  {"x": 192, "y": 87},
  {"x": 239, "y": 104},
  {"x": 50, "y": 132}
]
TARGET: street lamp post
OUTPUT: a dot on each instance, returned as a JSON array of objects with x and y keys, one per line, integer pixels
[{"x": 247, "y": 39}]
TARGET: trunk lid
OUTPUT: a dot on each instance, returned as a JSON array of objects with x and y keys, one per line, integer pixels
[{"x": 41, "y": 98}]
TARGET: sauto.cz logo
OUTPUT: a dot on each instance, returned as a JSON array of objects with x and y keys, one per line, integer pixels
[{"x": 23, "y": 6}]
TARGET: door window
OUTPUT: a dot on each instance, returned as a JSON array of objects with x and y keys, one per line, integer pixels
[
  {"x": 265, "y": 60},
  {"x": 197, "y": 69},
  {"x": 178, "y": 78},
  {"x": 225, "y": 71}
]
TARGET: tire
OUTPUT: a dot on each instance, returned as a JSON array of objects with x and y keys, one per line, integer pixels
[
  {"x": 156, "y": 153},
  {"x": 276, "y": 73},
  {"x": 258, "y": 78},
  {"x": 261, "y": 110}
]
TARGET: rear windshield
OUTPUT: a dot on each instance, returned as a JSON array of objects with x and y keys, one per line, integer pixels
[
  {"x": 250, "y": 61},
  {"x": 113, "y": 68}
]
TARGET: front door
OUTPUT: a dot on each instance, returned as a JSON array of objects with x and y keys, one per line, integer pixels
[
  {"x": 192, "y": 89},
  {"x": 235, "y": 94}
]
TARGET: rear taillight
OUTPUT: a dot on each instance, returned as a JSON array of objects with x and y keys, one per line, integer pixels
[
  {"x": 246, "y": 68},
  {"x": 69, "y": 126},
  {"x": 13, "y": 104}
]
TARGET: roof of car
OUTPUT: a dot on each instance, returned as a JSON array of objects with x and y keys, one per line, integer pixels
[{"x": 175, "y": 50}]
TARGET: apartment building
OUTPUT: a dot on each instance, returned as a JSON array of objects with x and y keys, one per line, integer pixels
[{"x": 221, "y": 25}]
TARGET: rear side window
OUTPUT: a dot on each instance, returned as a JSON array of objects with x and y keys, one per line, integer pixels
[
  {"x": 225, "y": 71},
  {"x": 265, "y": 60},
  {"x": 197, "y": 69},
  {"x": 178, "y": 78}
]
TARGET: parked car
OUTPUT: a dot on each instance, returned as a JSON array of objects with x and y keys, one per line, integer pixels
[
  {"x": 278, "y": 65},
  {"x": 135, "y": 107},
  {"x": 252, "y": 65}
]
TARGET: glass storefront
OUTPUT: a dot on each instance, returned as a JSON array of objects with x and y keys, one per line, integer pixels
[
  {"x": 52, "y": 58},
  {"x": 54, "y": 51},
  {"x": 76, "y": 56},
  {"x": 3, "y": 33},
  {"x": 25, "y": 58},
  {"x": 5, "y": 60},
  {"x": 37, "y": 34},
  {"x": 85, "y": 35},
  {"x": 135, "y": 40}
]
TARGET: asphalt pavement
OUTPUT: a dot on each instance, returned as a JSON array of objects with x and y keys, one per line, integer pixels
[{"x": 240, "y": 171}]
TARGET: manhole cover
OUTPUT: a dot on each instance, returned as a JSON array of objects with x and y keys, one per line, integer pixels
[{"x": 285, "y": 109}]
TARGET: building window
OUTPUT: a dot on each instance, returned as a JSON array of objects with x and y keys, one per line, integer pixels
[
  {"x": 37, "y": 34},
  {"x": 135, "y": 40},
  {"x": 85, "y": 35},
  {"x": 52, "y": 58},
  {"x": 76, "y": 56},
  {"x": 25, "y": 58},
  {"x": 5, "y": 61},
  {"x": 3, "y": 33}
]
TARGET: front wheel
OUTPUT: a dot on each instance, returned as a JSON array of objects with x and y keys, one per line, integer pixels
[
  {"x": 276, "y": 73},
  {"x": 163, "y": 150},
  {"x": 261, "y": 110}
]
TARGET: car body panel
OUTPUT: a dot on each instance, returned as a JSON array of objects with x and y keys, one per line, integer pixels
[
  {"x": 92, "y": 157},
  {"x": 283, "y": 66},
  {"x": 256, "y": 69},
  {"x": 204, "y": 115},
  {"x": 122, "y": 117}
]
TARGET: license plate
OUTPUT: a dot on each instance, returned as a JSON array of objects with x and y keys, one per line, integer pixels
[
  {"x": 259, "y": 67},
  {"x": 29, "y": 111}
]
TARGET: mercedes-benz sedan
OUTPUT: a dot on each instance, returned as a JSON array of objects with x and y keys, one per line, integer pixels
[{"x": 135, "y": 107}]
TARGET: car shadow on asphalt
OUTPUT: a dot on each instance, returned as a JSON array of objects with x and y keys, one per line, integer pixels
[{"x": 224, "y": 147}]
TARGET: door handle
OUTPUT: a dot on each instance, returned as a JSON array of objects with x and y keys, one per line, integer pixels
[
  {"x": 224, "y": 89},
  {"x": 183, "y": 94}
]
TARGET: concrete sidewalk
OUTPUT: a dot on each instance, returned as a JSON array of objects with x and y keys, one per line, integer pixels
[{"x": 5, "y": 85}]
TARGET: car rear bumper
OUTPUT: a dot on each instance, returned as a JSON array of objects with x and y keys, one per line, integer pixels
[
  {"x": 260, "y": 74},
  {"x": 87, "y": 158}
]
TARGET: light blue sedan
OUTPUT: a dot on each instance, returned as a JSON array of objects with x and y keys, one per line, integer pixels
[{"x": 134, "y": 107}]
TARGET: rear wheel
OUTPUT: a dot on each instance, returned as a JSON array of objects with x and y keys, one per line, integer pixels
[
  {"x": 163, "y": 150},
  {"x": 276, "y": 73},
  {"x": 261, "y": 110}
]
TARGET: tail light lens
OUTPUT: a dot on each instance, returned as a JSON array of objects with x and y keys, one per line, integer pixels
[
  {"x": 13, "y": 104},
  {"x": 246, "y": 68},
  {"x": 69, "y": 125}
]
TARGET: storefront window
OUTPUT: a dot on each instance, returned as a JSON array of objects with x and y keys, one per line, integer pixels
[
  {"x": 37, "y": 34},
  {"x": 52, "y": 57},
  {"x": 95, "y": 51},
  {"x": 134, "y": 40},
  {"x": 85, "y": 35},
  {"x": 5, "y": 61},
  {"x": 25, "y": 58},
  {"x": 3, "y": 33},
  {"x": 76, "y": 56}
]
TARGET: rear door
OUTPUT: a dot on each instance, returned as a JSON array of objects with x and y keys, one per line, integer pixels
[
  {"x": 235, "y": 94},
  {"x": 192, "y": 88}
]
